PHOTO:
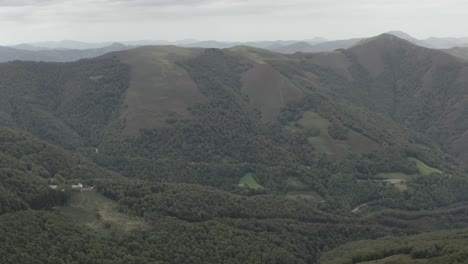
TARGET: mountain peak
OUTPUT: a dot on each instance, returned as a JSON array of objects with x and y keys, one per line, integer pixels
[
  {"x": 117, "y": 45},
  {"x": 371, "y": 52},
  {"x": 400, "y": 34},
  {"x": 385, "y": 39}
]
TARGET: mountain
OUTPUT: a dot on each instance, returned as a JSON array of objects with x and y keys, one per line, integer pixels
[
  {"x": 28, "y": 47},
  {"x": 270, "y": 45},
  {"x": 411, "y": 39},
  {"x": 446, "y": 43},
  {"x": 295, "y": 47},
  {"x": 236, "y": 155},
  {"x": 389, "y": 84},
  {"x": 461, "y": 52},
  {"x": 320, "y": 47},
  {"x": 212, "y": 44},
  {"x": 324, "y": 46},
  {"x": 407, "y": 101},
  {"x": 11, "y": 54},
  {"x": 327, "y": 46},
  {"x": 432, "y": 42},
  {"x": 76, "y": 45},
  {"x": 68, "y": 44}
]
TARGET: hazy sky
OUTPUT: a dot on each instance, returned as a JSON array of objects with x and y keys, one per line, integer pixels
[{"x": 241, "y": 20}]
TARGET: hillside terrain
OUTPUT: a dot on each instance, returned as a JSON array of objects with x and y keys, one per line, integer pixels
[{"x": 236, "y": 155}]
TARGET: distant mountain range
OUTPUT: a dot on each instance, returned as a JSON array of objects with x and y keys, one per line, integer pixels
[
  {"x": 461, "y": 52},
  {"x": 69, "y": 50},
  {"x": 56, "y": 55},
  {"x": 435, "y": 43}
]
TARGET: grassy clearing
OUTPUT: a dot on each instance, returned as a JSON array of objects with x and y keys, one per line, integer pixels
[
  {"x": 314, "y": 120},
  {"x": 401, "y": 186},
  {"x": 398, "y": 179},
  {"x": 249, "y": 181},
  {"x": 97, "y": 211},
  {"x": 424, "y": 169},
  {"x": 323, "y": 142},
  {"x": 394, "y": 175},
  {"x": 334, "y": 149}
]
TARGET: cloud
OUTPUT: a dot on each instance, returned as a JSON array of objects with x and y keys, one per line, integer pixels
[
  {"x": 24, "y": 3},
  {"x": 247, "y": 19}
]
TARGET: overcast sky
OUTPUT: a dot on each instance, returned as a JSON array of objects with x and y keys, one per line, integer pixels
[{"x": 236, "y": 20}]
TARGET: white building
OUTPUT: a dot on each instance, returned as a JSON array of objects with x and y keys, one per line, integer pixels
[{"x": 78, "y": 186}]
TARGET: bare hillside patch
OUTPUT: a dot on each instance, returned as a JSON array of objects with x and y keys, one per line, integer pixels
[
  {"x": 92, "y": 209},
  {"x": 333, "y": 148},
  {"x": 268, "y": 90},
  {"x": 160, "y": 90}
]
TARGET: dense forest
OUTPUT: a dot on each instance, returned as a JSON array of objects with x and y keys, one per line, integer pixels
[{"x": 350, "y": 170}]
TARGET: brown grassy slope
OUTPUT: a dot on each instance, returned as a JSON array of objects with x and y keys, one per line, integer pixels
[
  {"x": 159, "y": 89},
  {"x": 370, "y": 52},
  {"x": 268, "y": 90}
]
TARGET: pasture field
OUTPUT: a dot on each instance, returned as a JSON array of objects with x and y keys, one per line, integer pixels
[
  {"x": 394, "y": 175},
  {"x": 398, "y": 179},
  {"x": 249, "y": 181},
  {"x": 424, "y": 169},
  {"x": 93, "y": 209},
  {"x": 333, "y": 148}
]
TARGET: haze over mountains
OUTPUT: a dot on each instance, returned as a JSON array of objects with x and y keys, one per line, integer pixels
[
  {"x": 68, "y": 50},
  {"x": 339, "y": 152},
  {"x": 55, "y": 55}
]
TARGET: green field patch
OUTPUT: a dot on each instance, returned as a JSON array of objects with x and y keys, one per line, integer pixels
[
  {"x": 424, "y": 169},
  {"x": 393, "y": 175},
  {"x": 249, "y": 181},
  {"x": 314, "y": 120},
  {"x": 324, "y": 143},
  {"x": 93, "y": 209},
  {"x": 397, "y": 179},
  {"x": 401, "y": 186}
]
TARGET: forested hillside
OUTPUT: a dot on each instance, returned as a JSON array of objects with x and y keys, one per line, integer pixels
[{"x": 239, "y": 155}]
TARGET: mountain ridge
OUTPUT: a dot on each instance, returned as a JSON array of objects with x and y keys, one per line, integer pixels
[{"x": 55, "y": 55}]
